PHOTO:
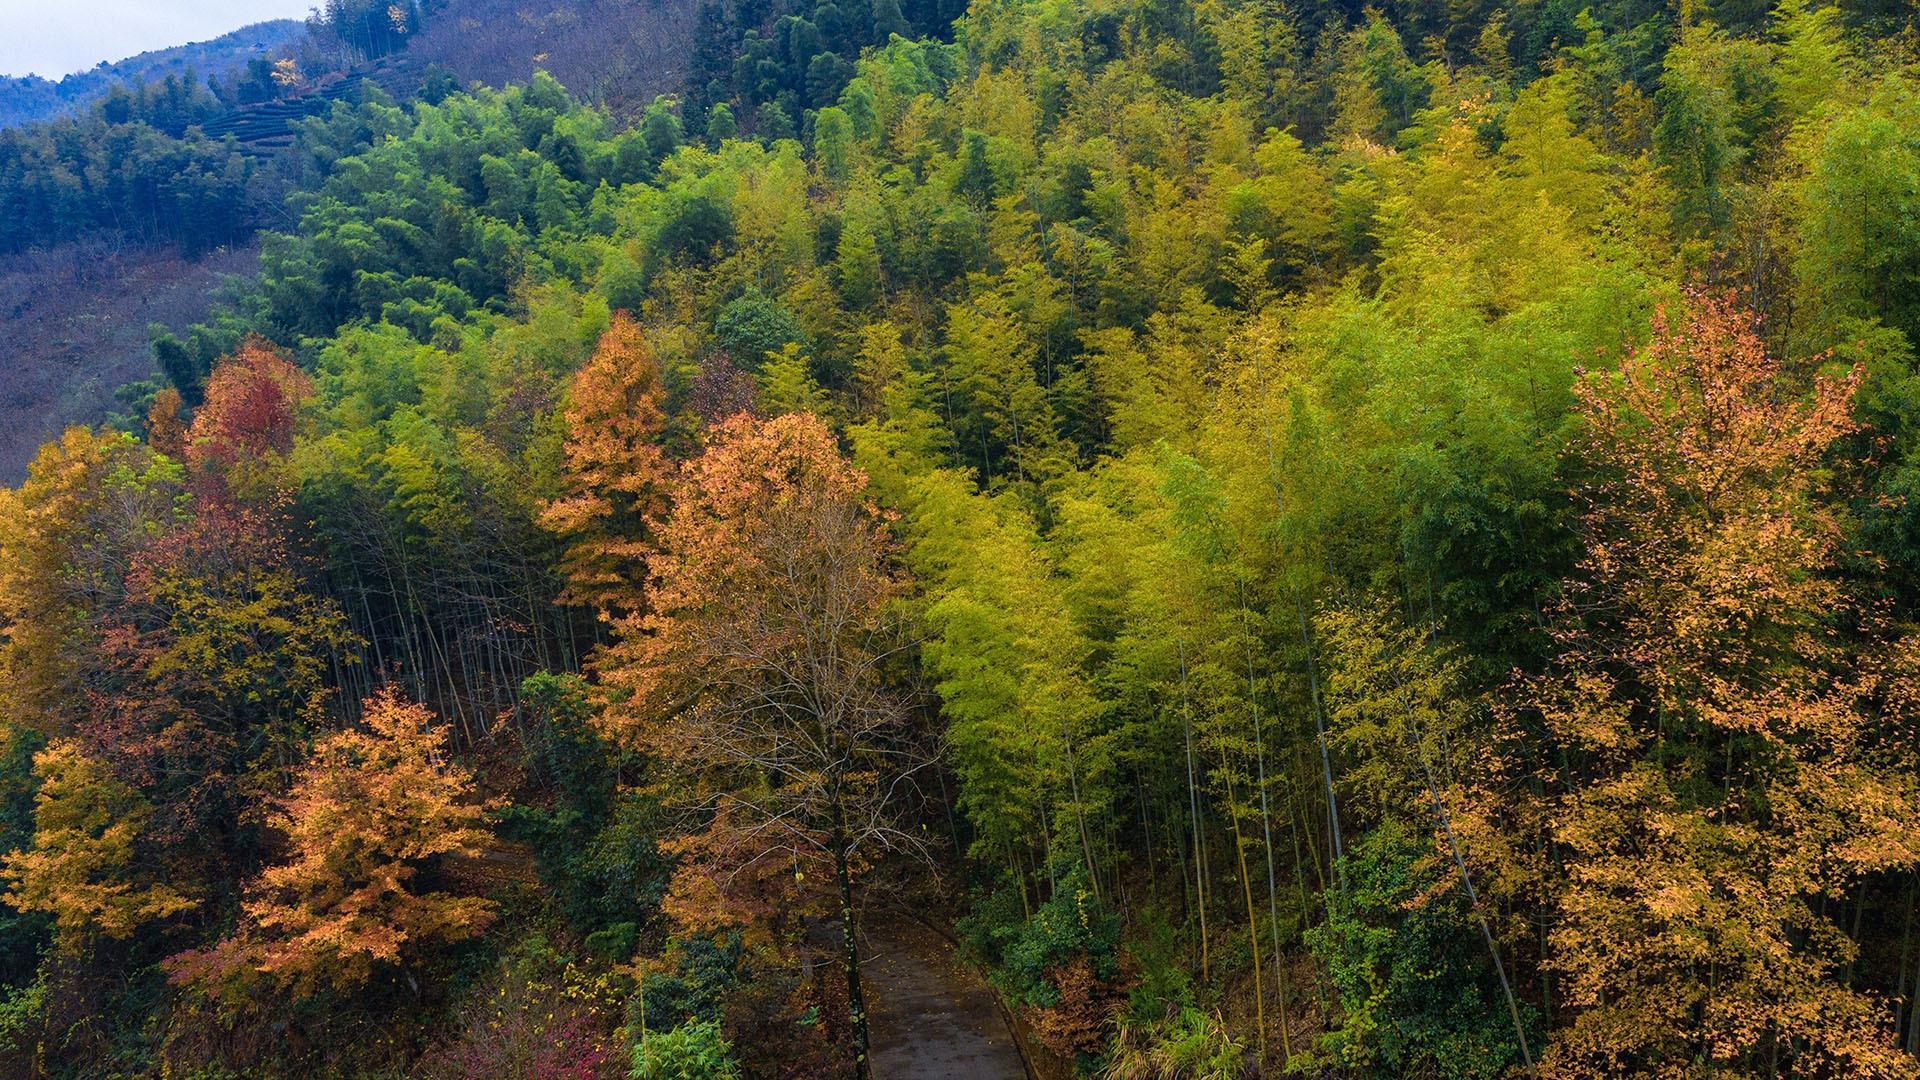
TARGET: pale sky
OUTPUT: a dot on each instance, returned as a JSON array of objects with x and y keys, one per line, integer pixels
[{"x": 56, "y": 37}]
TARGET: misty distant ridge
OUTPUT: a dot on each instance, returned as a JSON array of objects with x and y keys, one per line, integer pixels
[{"x": 25, "y": 99}]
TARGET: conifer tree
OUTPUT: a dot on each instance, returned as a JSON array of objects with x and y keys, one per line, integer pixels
[
  {"x": 368, "y": 812},
  {"x": 615, "y": 477}
]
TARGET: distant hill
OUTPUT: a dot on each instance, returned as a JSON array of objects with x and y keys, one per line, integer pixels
[
  {"x": 616, "y": 53},
  {"x": 24, "y": 100}
]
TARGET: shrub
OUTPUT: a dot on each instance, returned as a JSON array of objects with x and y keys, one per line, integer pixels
[
  {"x": 1187, "y": 1045},
  {"x": 1062, "y": 965},
  {"x": 1413, "y": 978},
  {"x": 692, "y": 1051},
  {"x": 540, "y": 1017}
]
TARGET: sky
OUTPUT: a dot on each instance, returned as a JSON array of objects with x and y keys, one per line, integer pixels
[{"x": 58, "y": 37}]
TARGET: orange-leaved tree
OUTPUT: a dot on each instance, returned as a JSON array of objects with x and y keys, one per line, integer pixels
[
  {"x": 1710, "y": 739},
  {"x": 90, "y": 865},
  {"x": 759, "y": 671},
  {"x": 615, "y": 478},
  {"x": 166, "y": 430},
  {"x": 371, "y": 809}
]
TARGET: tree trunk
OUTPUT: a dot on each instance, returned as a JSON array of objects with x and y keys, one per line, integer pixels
[
  {"x": 1199, "y": 834},
  {"x": 1902, "y": 1000},
  {"x": 850, "y": 962},
  {"x": 1253, "y": 924},
  {"x": 1338, "y": 854},
  {"x": 1266, "y": 832},
  {"x": 1473, "y": 897}
]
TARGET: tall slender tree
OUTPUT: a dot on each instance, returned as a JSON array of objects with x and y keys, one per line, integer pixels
[
  {"x": 615, "y": 478},
  {"x": 760, "y": 671}
]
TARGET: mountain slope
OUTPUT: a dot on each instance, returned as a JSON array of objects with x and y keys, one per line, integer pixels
[
  {"x": 1355, "y": 543},
  {"x": 30, "y": 98}
]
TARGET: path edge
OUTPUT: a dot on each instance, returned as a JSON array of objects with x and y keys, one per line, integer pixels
[{"x": 1006, "y": 1015}]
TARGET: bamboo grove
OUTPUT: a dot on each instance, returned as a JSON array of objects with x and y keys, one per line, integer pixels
[{"x": 1347, "y": 543}]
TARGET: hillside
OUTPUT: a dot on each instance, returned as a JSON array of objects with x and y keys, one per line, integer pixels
[
  {"x": 27, "y": 99},
  {"x": 156, "y": 167},
  {"x": 156, "y": 171},
  {"x": 1285, "y": 540},
  {"x": 76, "y": 325},
  {"x": 620, "y": 53}
]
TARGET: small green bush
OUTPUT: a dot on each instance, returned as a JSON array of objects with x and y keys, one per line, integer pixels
[
  {"x": 693, "y": 1051},
  {"x": 1189, "y": 1045}
]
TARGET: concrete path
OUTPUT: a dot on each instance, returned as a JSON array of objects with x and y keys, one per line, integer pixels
[{"x": 933, "y": 1019}]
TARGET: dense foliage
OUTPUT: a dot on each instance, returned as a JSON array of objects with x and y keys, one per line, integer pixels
[
  {"x": 138, "y": 165},
  {"x": 1362, "y": 543}
]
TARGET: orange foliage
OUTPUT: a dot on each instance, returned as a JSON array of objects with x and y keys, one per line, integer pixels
[
  {"x": 1715, "y": 766},
  {"x": 767, "y": 540},
  {"x": 249, "y": 411},
  {"x": 737, "y": 540},
  {"x": 616, "y": 478},
  {"x": 1081, "y": 1021},
  {"x": 166, "y": 432},
  {"x": 756, "y": 672},
  {"x": 1706, "y": 531},
  {"x": 367, "y": 813},
  {"x": 727, "y": 877}
]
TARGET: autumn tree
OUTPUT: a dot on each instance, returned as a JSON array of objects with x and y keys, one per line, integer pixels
[
  {"x": 166, "y": 430},
  {"x": 247, "y": 419},
  {"x": 171, "y": 638},
  {"x": 212, "y": 673},
  {"x": 91, "y": 865},
  {"x": 368, "y": 813},
  {"x": 90, "y": 502},
  {"x": 1715, "y": 764},
  {"x": 760, "y": 670},
  {"x": 615, "y": 479}
]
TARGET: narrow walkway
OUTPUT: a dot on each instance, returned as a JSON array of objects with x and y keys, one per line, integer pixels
[{"x": 933, "y": 1019}]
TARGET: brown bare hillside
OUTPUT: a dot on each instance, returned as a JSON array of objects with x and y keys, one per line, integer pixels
[
  {"x": 73, "y": 327},
  {"x": 619, "y": 53}
]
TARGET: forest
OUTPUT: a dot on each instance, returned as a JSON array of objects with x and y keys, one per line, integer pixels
[
  {"x": 1312, "y": 540},
  {"x": 25, "y": 99}
]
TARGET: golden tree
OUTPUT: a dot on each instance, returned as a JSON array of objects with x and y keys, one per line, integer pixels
[
  {"x": 166, "y": 431},
  {"x": 85, "y": 867},
  {"x": 367, "y": 813},
  {"x": 89, "y": 504},
  {"x": 758, "y": 672},
  {"x": 1715, "y": 760},
  {"x": 616, "y": 478}
]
